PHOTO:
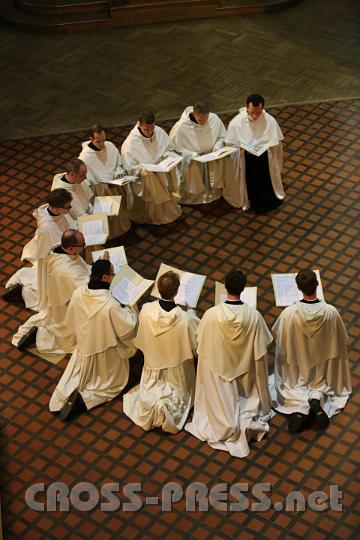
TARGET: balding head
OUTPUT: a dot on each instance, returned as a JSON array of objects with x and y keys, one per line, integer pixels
[{"x": 72, "y": 241}]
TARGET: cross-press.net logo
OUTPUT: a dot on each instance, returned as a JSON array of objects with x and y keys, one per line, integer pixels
[{"x": 238, "y": 497}]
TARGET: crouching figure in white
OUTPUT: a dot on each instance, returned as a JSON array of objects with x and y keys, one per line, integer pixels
[
  {"x": 312, "y": 378},
  {"x": 167, "y": 338},
  {"x": 232, "y": 400},
  {"x": 102, "y": 332}
]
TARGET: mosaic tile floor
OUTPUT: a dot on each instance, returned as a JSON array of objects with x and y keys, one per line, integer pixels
[{"x": 318, "y": 225}]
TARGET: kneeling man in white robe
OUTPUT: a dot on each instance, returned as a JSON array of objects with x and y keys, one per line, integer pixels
[
  {"x": 74, "y": 181},
  {"x": 199, "y": 131},
  {"x": 166, "y": 336},
  {"x": 232, "y": 400},
  {"x": 312, "y": 378},
  {"x": 102, "y": 332}
]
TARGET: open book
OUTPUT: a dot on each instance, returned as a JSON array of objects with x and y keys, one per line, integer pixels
[
  {"x": 165, "y": 165},
  {"x": 217, "y": 154},
  {"x": 94, "y": 227},
  {"x": 116, "y": 254},
  {"x": 190, "y": 286},
  {"x": 108, "y": 204},
  {"x": 128, "y": 286},
  {"x": 257, "y": 149},
  {"x": 120, "y": 181},
  {"x": 248, "y": 296},
  {"x": 286, "y": 291}
]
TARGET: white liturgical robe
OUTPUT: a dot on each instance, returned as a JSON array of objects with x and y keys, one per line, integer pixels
[
  {"x": 81, "y": 194},
  {"x": 263, "y": 130},
  {"x": 105, "y": 164},
  {"x": 311, "y": 360},
  {"x": 154, "y": 202},
  {"x": 101, "y": 334},
  {"x": 48, "y": 233},
  {"x": 232, "y": 400},
  {"x": 64, "y": 273},
  {"x": 166, "y": 391},
  {"x": 200, "y": 182}
]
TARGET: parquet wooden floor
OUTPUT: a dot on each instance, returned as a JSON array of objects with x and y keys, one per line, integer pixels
[
  {"x": 64, "y": 82},
  {"x": 318, "y": 226}
]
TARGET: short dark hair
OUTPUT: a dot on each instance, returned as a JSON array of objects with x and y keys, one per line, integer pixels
[
  {"x": 201, "y": 107},
  {"x": 96, "y": 128},
  {"x": 168, "y": 285},
  {"x": 306, "y": 281},
  {"x": 74, "y": 165},
  {"x": 99, "y": 268},
  {"x": 255, "y": 99},
  {"x": 146, "y": 117},
  {"x": 69, "y": 238},
  {"x": 235, "y": 282},
  {"x": 59, "y": 198}
]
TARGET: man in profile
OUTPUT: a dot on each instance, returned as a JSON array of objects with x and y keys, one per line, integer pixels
[
  {"x": 167, "y": 337},
  {"x": 232, "y": 400},
  {"x": 312, "y": 378},
  {"x": 259, "y": 176},
  {"x": 199, "y": 131},
  {"x": 101, "y": 333},
  {"x": 148, "y": 143},
  {"x": 74, "y": 181}
]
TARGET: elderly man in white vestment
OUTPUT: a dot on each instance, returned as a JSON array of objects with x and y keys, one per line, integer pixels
[
  {"x": 232, "y": 400},
  {"x": 154, "y": 200},
  {"x": 312, "y": 379},
  {"x": 199, "y": 131},
  {"x": 102, "y": 332},
  {"x": 258, "y": 185},
  {"x": 167, "y": 337},
  {"x": 103, "y": 162},
  {"x": 52, "y": 219},
  {"x": 65, "y": 271},
  {"x": 74, "y": 181}
]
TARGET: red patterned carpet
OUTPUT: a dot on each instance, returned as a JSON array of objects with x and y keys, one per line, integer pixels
[{"x": 317, "y": 226}]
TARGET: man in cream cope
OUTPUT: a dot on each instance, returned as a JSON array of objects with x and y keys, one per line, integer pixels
[
  {"x": 312, "y": 377},
  {"x": 199, "y": 131},
  {"x": 232, "y": 400},
  {"x": 166, "y": 336},
  {"x": 258, "y": 184},
  {"x": 101, "y": 332},
  {"x": 74, "y": 181},
  {"x": 147, "y": 143}
]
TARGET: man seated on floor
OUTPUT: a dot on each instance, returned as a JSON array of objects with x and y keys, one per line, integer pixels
[
  {"x": 312, "y": 378},
  {"x": 199, "y": 131},
  {"x": 74, "y": 181},
  {"x": 101, "y": 332},
  {"x": 148, "y": 143},
  {"x": 52, "y": 219},
  {"x": 166, "y": 336},
  {"x": 232, "y": 400},
  {"x": 65, "y": 271},
  {"x": 104, "y": 162},
  {"x": 258, "y": 182}
]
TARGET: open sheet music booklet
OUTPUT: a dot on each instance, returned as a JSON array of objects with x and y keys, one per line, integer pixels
[
  {"x": 117, "y": 256},
  {"x": 108, "y": 204},
  {"x": 258, "y": 149},
  {"x": 248, "y": 296},
  {"x": 166, "y": 165},
  {"x": 120, "y": 181},
  {"x": 286, "y": 291},
  {"x": 217, "y": 154},
  {"x": 95, "y": 228},
  {"x": 128, "y": 286},
  {"x": 190, "y": 286}
]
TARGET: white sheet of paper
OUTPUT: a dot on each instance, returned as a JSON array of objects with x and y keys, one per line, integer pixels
[
  {"x": 102, "y": 206},
  {"x": 92, "y": 228},
  {"x": 126, "y": 291},
  {"x": 217, "y": 154},
  {"x": 117, "y": 257},
  {"x": 189, "y": 289},
  {"x": 165, "y": 165},
  {"x": 124, "y": 180},
  {"x": 257, "y": 149}
]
